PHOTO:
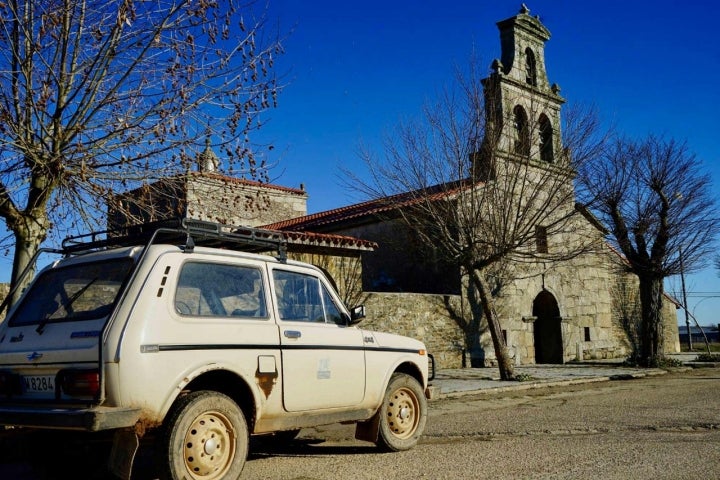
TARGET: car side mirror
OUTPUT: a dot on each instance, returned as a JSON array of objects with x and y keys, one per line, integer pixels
[{"x": 357, "y": 314}]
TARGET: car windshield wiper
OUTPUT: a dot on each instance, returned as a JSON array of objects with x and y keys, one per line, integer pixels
[{"x": 63, "y": 306}]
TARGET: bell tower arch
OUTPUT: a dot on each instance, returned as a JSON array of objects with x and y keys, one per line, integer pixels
[{"x": 519, "y": 83}]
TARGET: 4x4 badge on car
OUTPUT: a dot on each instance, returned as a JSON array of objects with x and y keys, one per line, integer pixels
[{"x": 34, "y": 356}]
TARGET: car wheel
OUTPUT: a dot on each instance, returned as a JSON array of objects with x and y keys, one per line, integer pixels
[
  {"x": 402, "y": 415},
  {"x": 205, "y": 438}
]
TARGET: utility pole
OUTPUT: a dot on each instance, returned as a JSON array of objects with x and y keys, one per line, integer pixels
[{"x": 685, "y": 304}]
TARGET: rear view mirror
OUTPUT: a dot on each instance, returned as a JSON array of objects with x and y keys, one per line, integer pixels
[{"x": 357, "y": 314}]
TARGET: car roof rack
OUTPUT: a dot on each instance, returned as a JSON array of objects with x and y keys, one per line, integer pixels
[{"x": 180, "y": 231}]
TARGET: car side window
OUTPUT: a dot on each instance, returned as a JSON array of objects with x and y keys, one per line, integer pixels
[
  {"x": 220, "y": 290},
  {"x": 302, "y": 298},
  {"x": 332, "y": 312}
]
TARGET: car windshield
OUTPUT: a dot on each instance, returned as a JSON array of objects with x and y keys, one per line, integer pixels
[{"x": 78, "y": 292}]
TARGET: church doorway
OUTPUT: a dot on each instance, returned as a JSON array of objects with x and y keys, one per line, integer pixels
[{"x": 547, "y": 332}]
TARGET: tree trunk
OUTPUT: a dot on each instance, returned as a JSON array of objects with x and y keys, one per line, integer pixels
[
  {"x": 488, "y": 306},
  {"x": 651, "y": 337},
  {"x": 28, "y": 237}
]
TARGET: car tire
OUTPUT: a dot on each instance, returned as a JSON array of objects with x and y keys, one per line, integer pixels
[
  {"x": 205, "y": 437},
  {"x": 403, "y": 414}
]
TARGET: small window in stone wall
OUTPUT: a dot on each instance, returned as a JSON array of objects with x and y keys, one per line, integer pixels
[
  {"x": 530, "y": 68},
  {"x": 587, "y": 334},
  {"x": 541, "y": 239}
]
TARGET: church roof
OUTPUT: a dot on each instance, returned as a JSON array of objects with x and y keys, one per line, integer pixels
[{"x": 370, "y": 208}]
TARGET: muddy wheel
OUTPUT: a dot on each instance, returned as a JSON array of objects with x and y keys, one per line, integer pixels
[
  {"x": 205, "y": 438},
  {"x": 403, "y": 414}
]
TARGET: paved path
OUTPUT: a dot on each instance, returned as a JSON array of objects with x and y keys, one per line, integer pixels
[{"x": 455, "y": 382}]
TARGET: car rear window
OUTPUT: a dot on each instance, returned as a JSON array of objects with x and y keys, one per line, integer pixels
[{"x": 83, "y": 291}]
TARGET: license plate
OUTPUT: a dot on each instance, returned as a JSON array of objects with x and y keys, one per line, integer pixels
[{"x": 39, "y": 383}]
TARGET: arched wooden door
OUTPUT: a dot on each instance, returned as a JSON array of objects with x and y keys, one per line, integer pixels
[{"x": 547, "y": 332}]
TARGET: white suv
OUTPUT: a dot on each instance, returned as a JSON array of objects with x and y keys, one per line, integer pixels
[{"x": 204, "y": 344}]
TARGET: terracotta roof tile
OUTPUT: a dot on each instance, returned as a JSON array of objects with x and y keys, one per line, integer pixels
[{"x": 328, "y": 240}]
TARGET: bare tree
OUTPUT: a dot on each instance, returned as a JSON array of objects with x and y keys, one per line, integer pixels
[
  {"x": 658, "y": 206},
  {"x": 468, "y": 180},
  {"x": 98, "y": 96}
]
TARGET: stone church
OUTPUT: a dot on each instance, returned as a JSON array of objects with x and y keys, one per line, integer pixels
[{"x": 579, "y": 309}]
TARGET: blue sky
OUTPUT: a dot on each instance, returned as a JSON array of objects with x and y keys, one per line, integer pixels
[{"x": 354, "y": 69}]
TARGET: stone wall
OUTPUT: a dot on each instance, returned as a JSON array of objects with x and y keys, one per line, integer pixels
[
  {"x": 422, "y": 316},
  {"x": 402, "y": 262},
  {"x": 430, "y": 318},
  {"x": 221, "y": 199},
  {"x": 208, "y": 196},
  {"x": 580, "y": 287}
]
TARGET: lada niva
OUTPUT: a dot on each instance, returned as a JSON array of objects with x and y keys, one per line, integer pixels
[{"x": 191, "y": 335}]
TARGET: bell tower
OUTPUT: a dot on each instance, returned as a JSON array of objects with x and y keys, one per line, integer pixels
[{"x": 523, "y": 108}]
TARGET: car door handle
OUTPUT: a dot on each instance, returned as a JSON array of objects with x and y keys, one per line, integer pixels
[{"x": 292, "y": 334}]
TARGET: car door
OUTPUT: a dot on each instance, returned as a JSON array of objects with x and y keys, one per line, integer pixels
[{"x": 323, "y": 359}]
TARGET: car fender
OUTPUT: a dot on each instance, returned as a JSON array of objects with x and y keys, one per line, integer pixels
[{"x": 195, "y": 372}]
